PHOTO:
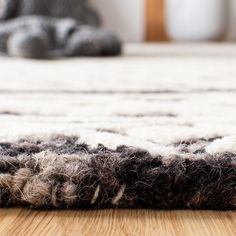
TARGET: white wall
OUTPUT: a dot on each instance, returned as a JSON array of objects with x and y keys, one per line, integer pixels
[
  {"x": 126, "y": 17},
  {"x": 232, "y": 20}
]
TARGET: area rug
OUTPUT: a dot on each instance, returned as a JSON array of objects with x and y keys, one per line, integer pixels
[{"x": 155, "y": 128}]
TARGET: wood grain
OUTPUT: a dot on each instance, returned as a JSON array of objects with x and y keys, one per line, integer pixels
[
  {"x": 155, "y": 20},
  {"x": 116, "y": 222}
]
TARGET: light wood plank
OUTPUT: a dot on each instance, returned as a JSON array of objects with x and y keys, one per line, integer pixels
[{"x": 116, "y": 222}]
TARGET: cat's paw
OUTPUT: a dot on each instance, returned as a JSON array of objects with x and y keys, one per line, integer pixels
[
  {"x": 83, "y": 43},
  {"x": 28, "y": 43},
  {"x": 111, "y": 45},
  {"x": 89, "y": 41}
]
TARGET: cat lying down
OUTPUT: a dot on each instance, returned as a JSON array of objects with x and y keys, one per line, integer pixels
[
  {"x": 42, "y": 37},
  {"x": 54, "y": 28}
]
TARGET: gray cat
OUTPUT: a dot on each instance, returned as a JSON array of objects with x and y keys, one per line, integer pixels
[{"x": 54, "y": 28}]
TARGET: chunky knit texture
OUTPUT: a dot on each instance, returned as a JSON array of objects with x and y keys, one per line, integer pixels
[
  {"x": 121, "y": 133},
  {"x": 65, "y": 173}
]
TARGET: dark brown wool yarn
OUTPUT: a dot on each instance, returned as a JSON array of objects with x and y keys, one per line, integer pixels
[{"x": 63, "y": 173}]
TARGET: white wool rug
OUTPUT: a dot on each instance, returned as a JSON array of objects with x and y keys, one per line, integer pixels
[{"x": 155, "y": 128}]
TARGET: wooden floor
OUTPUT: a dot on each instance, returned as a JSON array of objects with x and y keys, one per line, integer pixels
[{"x": 117, "y": 222}]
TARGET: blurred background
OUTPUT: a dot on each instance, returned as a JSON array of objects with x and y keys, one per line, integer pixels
[{"x": 170, "y": 20}]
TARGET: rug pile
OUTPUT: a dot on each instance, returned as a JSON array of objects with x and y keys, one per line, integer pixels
[{"x": 153, "y": 129}]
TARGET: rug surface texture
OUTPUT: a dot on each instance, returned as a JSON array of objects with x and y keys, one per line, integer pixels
[{"x": 155, "y": 128}]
